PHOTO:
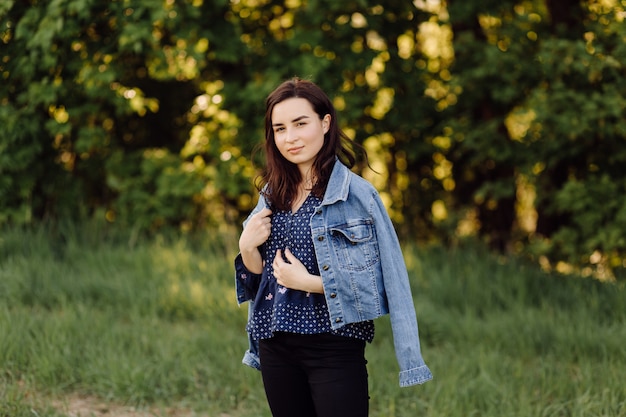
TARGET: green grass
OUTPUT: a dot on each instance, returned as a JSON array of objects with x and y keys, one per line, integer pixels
[{"x": 154, "y": 324}]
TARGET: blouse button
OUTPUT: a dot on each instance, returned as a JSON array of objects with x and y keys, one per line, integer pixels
[
  {"x": 320, "y": 238},
  {"x": 325, "y": 267}
]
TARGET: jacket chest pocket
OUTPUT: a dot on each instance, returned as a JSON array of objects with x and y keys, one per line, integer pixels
[{"x": 355, "y": 245}]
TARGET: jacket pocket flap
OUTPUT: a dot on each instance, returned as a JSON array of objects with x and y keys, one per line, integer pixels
[{"x": 359, "y": 232}]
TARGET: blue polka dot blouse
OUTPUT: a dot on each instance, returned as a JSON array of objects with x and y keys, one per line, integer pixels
[{"x": 279, "y": 309}]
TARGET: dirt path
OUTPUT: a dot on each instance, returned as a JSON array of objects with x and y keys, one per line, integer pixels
[{"x": 88, "y": 406}]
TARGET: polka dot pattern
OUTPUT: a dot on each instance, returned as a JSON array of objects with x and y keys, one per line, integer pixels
[{"x": 277, "y": 308}]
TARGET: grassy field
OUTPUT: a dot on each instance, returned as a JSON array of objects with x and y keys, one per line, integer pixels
[{"x": 132, "y": 327}]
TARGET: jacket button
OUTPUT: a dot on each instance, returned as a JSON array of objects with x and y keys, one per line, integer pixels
[
  {"x": 338, "y": 320},
  {"x": 320, "y": 238},
  {"x": 333, "y": 295},
  {"x": 318, "y": 211},
  {"x": 325, "y": 267}
]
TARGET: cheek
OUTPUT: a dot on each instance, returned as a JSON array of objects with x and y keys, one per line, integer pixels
[
  {"x": 322, "y": 137},
  {"x": 281, "y": 146},
  {"x": 279, "y": 141}
]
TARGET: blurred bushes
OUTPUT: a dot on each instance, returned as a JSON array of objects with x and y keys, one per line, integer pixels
[{"x": 495, "y": 120}]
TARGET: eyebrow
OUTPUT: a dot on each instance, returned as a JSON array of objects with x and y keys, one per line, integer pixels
[{"x": 297, "y": 119}]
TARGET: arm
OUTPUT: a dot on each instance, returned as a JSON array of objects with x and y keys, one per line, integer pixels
[
  {"x": 255, "y": 233},
  {"x": 413, "y": 370},
  {"x": 247, "y": 280}
]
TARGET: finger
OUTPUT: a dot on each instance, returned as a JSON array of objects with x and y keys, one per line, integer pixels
[
  {"x": 276, "y": 265},
  {"x": 265, "y": 212},
  {"x": 290, "y": 257},
  {"x": 264, "y": 221}
]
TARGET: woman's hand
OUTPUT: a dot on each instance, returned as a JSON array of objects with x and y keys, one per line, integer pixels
[
  {"x": 294, "y": 275},
  {"x": 256, "y": 232}
]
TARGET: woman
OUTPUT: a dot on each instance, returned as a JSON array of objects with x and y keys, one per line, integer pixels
[{"x": 319, "y": 261}]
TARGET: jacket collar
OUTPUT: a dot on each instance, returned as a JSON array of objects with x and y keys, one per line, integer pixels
[{"x": 338, "y": 184}]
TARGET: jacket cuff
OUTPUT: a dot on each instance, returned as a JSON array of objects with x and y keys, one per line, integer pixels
[
  {"x": 252, "y": 360},
  {"x": 246, "y": 282},
  {"x": 415, "y": 376}
]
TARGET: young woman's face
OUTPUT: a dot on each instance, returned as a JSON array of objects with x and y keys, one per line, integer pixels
[{"x": 299, "y": 132}]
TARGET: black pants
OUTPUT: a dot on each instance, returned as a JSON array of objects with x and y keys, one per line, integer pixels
[{"x": 320, "y": 375}]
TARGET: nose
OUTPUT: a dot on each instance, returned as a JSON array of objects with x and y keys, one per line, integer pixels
[{"x": 291, "y": 135}]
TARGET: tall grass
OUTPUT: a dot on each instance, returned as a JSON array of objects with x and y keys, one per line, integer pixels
[{"x": 154, "y": 323}]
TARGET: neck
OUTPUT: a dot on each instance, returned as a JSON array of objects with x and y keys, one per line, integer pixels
[
  {"x": 308, "y": 180},
  {"x": 307, "y": 184}
]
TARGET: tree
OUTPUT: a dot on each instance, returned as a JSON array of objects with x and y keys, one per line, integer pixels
[
  {"x": 542, "y": 93},
  {"x": 499, "y": 120}
]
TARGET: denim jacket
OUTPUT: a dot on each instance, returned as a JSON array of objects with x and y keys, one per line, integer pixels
[{"x": 362, "y": 268}]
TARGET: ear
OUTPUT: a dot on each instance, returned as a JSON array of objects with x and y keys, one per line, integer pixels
[{"x": 326, "y": 123}]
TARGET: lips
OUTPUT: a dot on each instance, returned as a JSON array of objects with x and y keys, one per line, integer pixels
[{"x": 295, "y": 149}]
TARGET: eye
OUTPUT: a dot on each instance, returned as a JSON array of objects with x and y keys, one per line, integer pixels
[
  {"x": 278, "y": 129},
  {"x": 300, "y": 123}
]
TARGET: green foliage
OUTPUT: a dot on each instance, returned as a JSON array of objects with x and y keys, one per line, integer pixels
[
  {"x": 541, "y": 99},
  {"x": 575, "y": 146},
  {"x": 152, "y": 186},
  {"x": 147, "y": 113},
  {"x": 595, "y": 229}
]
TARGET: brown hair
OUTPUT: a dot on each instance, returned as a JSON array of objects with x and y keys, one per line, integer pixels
[{"x": 281, "y": 176}]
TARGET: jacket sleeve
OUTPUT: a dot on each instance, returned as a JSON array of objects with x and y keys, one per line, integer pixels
[
  {"x": 413, "y": 369},
  {"x": 247, "y": 283}
]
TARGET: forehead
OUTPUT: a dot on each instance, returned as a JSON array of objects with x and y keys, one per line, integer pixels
[{"x": 290, "y": 109}]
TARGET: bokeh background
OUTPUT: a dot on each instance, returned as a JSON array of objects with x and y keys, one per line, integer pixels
[{"x": 497, "y": 120}]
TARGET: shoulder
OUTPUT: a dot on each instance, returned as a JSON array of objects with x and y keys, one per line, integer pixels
[
  {"x": 360, "y": 187},
  {"x": 362, "y": 196},
  {"x": 344, "y": 184}
]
